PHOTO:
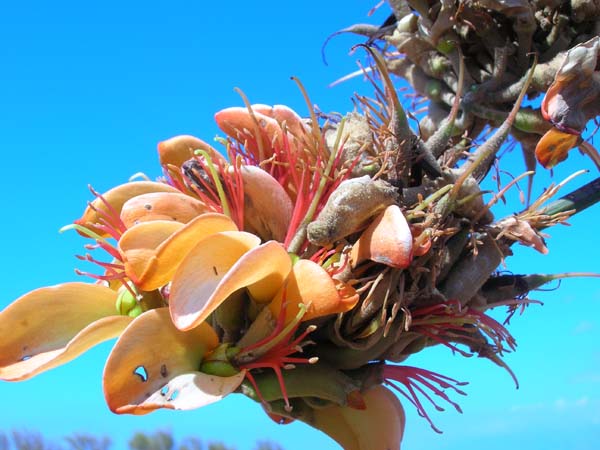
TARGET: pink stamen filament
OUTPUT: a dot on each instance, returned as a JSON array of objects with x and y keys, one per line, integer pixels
[
  {"x": 111, "y": 216},
  {"x": 278, "y": 357},
  {"x": 409, "y": 377},
  {"x": 439, "y": 319}
]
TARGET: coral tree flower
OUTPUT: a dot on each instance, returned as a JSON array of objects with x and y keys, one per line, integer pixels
[{"x": 213, "y": 278}]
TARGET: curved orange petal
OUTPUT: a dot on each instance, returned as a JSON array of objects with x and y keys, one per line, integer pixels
[
  {"x": 154, "y": 365},
  {"x": 554, "y": 146},
  {"x": 139, "y": 244},
  {"x": 153, "y": 250},
  {"x": 388, "y": 240},
  {"x": 178, "y": 149},
  {"x": 310, "y": 284},
  {"x": 111, "y": 202},
  {"x": 219, "y": 266},
  {"x": 51, "y": 326},
  {"x": 267, "y": 206},
  {"x": 238, "y": 123},
  {"x": 284, "y": 114},
  {"x": 549, "y": 101},
  {"x": 380, "y": 426},
  {"x": 161, "y": 206}
]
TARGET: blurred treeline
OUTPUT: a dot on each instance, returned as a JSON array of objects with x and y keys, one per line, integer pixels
[{"x": 160, "y": 440}]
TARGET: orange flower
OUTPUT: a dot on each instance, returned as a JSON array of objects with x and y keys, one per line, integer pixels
[
  {"x": 554, "y": 146},
  {"x": 212, "y": 276}
]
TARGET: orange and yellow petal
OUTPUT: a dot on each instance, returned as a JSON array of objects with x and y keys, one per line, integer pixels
[
  {"x": 388, "y": 240},
  {"x": 284, "y": 115},
  {"x": 221, "y": 265},
  {"x": 380, "y": 426},
  {"x": 173, "y": 206},
  {"x": 53, "y": 325},
  {"x": 554, "y": 146},
  {"x": 139, "y": 244},
  {"x": 309, "y": 284},
  {"x": 154, "y": 365},
  {"x": 256, "y": 131},
  {"x": 108, "y": 206},
  {"x": 178, "y": 149},
  {"x": 267, "y": 206},
  {"x": 152, "y": 251}
]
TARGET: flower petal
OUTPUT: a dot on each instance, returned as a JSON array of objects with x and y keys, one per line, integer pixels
[
  {"x": 153, "y": 250},
  {"x": 50, "y": 326},
  {"x": 379, "y": 426},
  {"x": 189, "y": 391},
  {"x": 310, "y": 284},
  {"x": 258, "y": 133},
  {"x": 284, "y": 114},
  {"x": 388, "y": 240},
  {"x": 554, "y": 146},
  {"x": 161, "y": 206},
  {"x": 139, "y": 244},
  {"x": 177, "y": 150},
  {"x": 219, "y": 266},
  {"x": 153, "y": 363},
  {"x": 108, "y": 206},
  {"x": 267, "y": 206}
]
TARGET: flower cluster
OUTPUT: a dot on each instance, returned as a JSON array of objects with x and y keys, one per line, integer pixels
[{"x": 300, "y": 266}]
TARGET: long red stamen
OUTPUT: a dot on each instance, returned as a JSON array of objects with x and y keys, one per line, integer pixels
[
  {"x": 280, "y": 355},
  {"x": 412, "y": 378},
  {"x": 110, "y": 215},
  {"x": 441, "y": 319}
]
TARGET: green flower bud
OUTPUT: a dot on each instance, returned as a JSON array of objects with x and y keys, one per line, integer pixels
[
  {"x": 433, "y": 89},
  {"x": 218, "y": 363},
  {"x": 127, "y": 303},
  {"x": 295, "y": 258},
  {"x": 445, "y": 46},
  {"x": 219, "y": 368}
]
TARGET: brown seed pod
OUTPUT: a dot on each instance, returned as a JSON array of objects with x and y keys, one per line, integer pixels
[{"x": 349, "y": 208}]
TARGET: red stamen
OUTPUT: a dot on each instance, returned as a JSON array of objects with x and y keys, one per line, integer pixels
[
  {"x": 111, "y": 215},
  {"x": 440, "y": 319},
  {"x": 279, "y": 356},
  {"x": 89, "y": 258},
  {"x": 411, "y": 377}
]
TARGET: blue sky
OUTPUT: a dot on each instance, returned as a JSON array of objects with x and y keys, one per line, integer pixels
[{"x": 87, "y": 90}]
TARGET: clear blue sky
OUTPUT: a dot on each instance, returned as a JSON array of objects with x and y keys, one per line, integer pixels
[{"x": 86, "y": 92}]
